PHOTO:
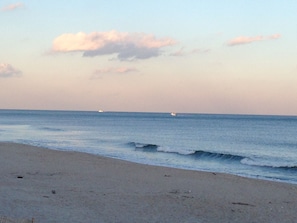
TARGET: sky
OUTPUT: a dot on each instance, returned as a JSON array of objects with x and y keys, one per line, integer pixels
[{"x": 190, "y": 56}]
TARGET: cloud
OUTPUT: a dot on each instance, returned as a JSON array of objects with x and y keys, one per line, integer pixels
[
  {"x": 200, "y": 51},
  {"x": 182, "y": 52},
  {"x": 178, "y": 53},
  {"x": 245, "y": 40},
  {"x": 113, "y": 70},
  {"x": 127, "y": 46},
  {"x": 6, "y": 70},
  {"x": 12, "y": 7}
]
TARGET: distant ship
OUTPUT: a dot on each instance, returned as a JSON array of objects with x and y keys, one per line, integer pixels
[
  {"x": 173, "y": 114},
  {"x": 100, "y": 110}
]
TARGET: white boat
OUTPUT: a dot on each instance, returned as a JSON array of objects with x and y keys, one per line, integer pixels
[
  {"x": 100, "y": 111},
  {"x": 173, "y": 114}
]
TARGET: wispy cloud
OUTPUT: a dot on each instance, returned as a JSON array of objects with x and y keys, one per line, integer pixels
[
  {"x": 183, "y": 52},
  {"x": 200, "y": 51},
  {"x": 113, "y": 70},
  {"x": 245, "y": 39},
  {"x": 12, "y": 7},
  {"x": 127, "y": 46},
  {"x": 7, "y": 70},
  {"x": 179, "y": 53}
]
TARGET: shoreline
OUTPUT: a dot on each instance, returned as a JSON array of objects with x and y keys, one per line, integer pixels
[{"x": 63, "y": 186}]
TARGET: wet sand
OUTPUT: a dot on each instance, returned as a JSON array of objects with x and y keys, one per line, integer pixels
[{"x": 56, "y": 186}]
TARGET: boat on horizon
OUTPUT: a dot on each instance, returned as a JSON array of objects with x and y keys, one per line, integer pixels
[{"x": 173, "y": 114}]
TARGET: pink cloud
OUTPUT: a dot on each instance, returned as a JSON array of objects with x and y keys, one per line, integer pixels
[
  {"x": 245, "y": 40},
  {"x": 119, "y": 70},
  {"x": 114, "y": 70},
  {"x": 274, "y": 36},
  {"x": 125, "y": 45},
  {"x": 7, "y": 70},
  {"x": 12, "y": 7}
]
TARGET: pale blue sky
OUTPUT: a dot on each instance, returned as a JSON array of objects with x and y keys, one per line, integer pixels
[{"x": 223, "y": 56}]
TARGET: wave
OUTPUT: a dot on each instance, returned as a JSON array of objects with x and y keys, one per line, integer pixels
[
  {"x": 212, "y": 156},
  {"x": 252, "y": 162},
  {"x": 51, "y": 129},
  {"x": 288, "y": 167},
  {"x": 199, "y": 154},
  {"x": 143, "y": 146}
]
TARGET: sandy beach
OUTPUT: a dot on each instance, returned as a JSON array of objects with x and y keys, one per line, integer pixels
[{"x": 56, "y": 186}]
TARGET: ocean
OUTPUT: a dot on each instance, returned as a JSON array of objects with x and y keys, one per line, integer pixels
[{"x": 254, "y": 146}]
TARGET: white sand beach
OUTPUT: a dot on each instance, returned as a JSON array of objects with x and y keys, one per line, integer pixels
[{"x": 56, "y": 186}]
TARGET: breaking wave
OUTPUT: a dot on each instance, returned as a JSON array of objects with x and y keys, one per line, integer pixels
[
  {"x": 207, "y": 155},
  {"x": 199, "y": 154},
  {"x": 252, "y": 162},
  {"x": 143, "y": 146},
  {"x": 214, "y": 155}
]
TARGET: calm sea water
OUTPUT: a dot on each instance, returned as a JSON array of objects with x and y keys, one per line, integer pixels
[{"x": 253, "y": 146}]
